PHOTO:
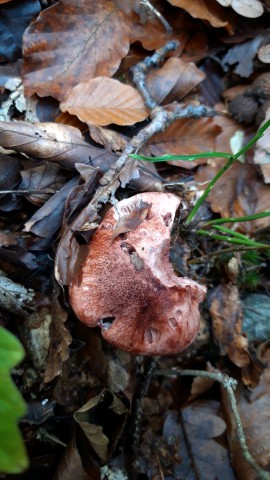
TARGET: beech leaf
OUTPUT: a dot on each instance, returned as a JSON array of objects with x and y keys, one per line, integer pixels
[
  {"x": 200, "y": 9},
  {"x": 102, "y": 101},
  {"x": 72, "y": 42}
]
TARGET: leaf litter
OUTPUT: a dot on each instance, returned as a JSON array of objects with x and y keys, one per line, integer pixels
[{"x": 58, "y": 179}]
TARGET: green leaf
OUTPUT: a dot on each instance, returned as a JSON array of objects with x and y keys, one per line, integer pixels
[{"x": 13, "y": 457}]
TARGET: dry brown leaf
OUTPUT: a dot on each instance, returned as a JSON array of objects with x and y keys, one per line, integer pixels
[
  {"x": 247, "y": 8},
  {"x": 5, "y": 1},
  {"x": 174, "y": 80},
  {"x": 47, "y": 177},
  {"x": 239, "y": 192},
  {"x": 72, "y": 42},
  {"x": 110, "y": 139},
  {"x": 61, "y": 144},
  {"x": 132, "y": 219},
  {"x": 102, "y": 101},
  {"x": 226, "y": 313},
  {"x": 185, "y": 137},
  {"x": 203, "y": 9}
]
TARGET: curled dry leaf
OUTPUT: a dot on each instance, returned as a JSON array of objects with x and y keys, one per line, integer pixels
[
  {"x": 96, "y": 418},
  {"x": 128, "y": 286},
  {"x": 201, "y": 9},
  {"x": 60, "y": 47},
  {"x": 102, "y": 101}
]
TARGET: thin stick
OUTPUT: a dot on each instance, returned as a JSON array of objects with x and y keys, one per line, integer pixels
[
  {"x": 164, "y": 22},
  {"x": 230, "y": 385}
]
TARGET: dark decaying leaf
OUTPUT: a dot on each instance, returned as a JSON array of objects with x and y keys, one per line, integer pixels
[
  {"x": 14, "y": 18},
  {"x": 254, "y": 408},
  {"x": 102, "y": 419},
  {"x": 9, "y": 179},
  {"x": 132, "y": 219},
  {"x": 226, "y": 313},
  {"x": 47, "y": 220},
  {"x": 60, "y": 47},
  {"x": 47, "y": 177},
  {"x": 60, "y": 340},
  {"x": 243, "y": 56},
  {"x": 71, "y": 465}
]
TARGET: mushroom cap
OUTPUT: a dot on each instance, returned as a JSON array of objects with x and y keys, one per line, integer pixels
[{"x": 127, "y": 285}]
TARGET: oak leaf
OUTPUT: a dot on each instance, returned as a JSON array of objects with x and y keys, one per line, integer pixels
[
  {"x": 71, "y": 42},
  {"x": 102, "y": 101}
]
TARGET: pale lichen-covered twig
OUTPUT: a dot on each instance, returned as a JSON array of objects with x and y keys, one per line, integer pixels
[{"x": 230, "y": 385}]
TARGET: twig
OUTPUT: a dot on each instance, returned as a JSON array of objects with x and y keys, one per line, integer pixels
[
  {"x": 152, "y": 9},
  {"x": 160, "y": 117},
  {"x": 230, "y": 385}
]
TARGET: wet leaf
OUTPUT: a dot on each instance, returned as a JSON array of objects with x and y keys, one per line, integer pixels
[
  {"x": 47, "y": 177},
  {"x": 102, "y": 101},
  {"x": 60, "y": 48}
]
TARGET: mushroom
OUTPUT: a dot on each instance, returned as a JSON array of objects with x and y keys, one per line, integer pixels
[{"x": 127, "y": 285}]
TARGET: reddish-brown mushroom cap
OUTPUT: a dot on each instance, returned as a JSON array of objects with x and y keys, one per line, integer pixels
[{"x": 127, "y": 285}]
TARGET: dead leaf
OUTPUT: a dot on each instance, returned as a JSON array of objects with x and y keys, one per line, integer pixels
[
  {"x": 58, "y": 143},
  {"x": 227, "y": 315},
  {"x": 60, "y": 47},
  {"x": 192, "y": 438},
  {"x": 60, "y": 339},
  {"x": 238, "y": 193},
  {"x": 97, "y": 417},
  {"x": 102, "y": 101},
  {"x": 47, "y": 219},
  {"x": 132, "y": 219},
  {"x": 110, "y": 139},
  {"x": 203, "y": 9},
  {"x": 254, "y": 407},
  {"x": 71, "y": 465},
  {"x": 174, "y": 80},
  {"x": 47, "y": 177},
  {"x": 184, "y": 137}
]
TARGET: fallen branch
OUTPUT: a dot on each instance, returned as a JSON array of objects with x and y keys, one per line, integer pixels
[{"x": 230, "y": 385}]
